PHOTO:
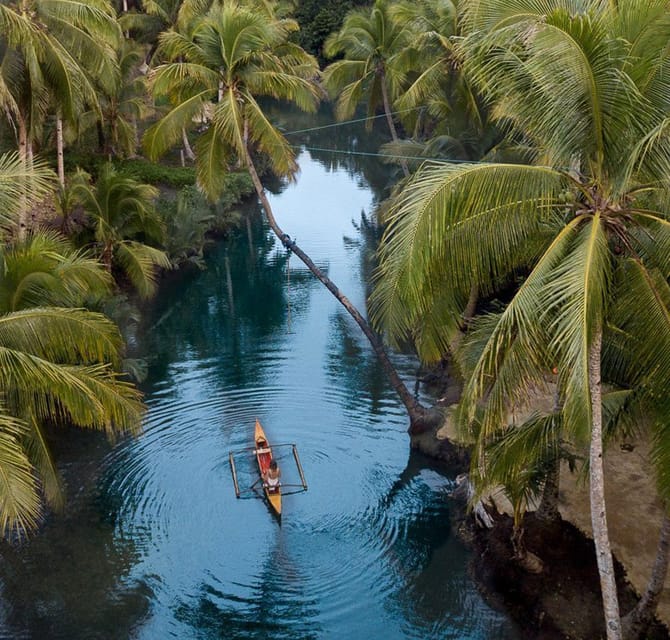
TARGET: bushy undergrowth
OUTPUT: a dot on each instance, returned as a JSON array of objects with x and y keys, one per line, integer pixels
[{"x": 157, "y": 174}]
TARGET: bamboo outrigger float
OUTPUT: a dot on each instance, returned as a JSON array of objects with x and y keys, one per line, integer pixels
[{"x": 264, "y": 454}]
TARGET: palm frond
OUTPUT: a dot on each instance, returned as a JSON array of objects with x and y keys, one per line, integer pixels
[
  {"x": 139, "y": 262},
  {"x": 517, "y": 355},
  {"x": 22, "y": 182},
  {"x": 39, "y": 454},
  {"x": 438, "y": 219},
  {"x": 574, "y": 299},
  {"x": 20, "y": 506},
  {"x": 214, "y": 158},
  {"x": 270, "y": 140},
  {"x": 168, "y": 130},
  {"x": 61, "y": 335}
]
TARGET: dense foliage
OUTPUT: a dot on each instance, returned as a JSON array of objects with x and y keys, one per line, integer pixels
[{"x": 530, "y": 232}]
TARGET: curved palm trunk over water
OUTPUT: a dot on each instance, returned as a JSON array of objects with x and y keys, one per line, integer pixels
[
  {"x": 417, "y": 413},
  {"x": 597, "y": 495},
  {"x": 636, "y": 623}
]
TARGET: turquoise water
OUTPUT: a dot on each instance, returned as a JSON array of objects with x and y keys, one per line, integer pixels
[{"x": 155, "y": 543}]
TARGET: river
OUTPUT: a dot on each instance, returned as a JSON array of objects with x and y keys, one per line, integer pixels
[{"x": 154, "y": 543}]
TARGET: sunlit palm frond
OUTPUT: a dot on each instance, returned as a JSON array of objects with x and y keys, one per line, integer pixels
[
  {"x": 20, "y": 505},
  {"x": 575, "y": 299},
  {"x": 442, "y": 215},
  {"x": 20, "y": 182},
  {"x": 139, "y": 262},
  {"x": 121, "y": 407},
  {"x": 183, "y": 80},
  {"x": 559, "y": 77},
  {"x": 87, "y": 396},
  {"x": 39, "y": 453},
  {"x": 214, "y": 158},
  {"x": 649, "y": 159},
  {"x": 62, "y": 335},
  {"x": 645, "y": 311},
  {"x": 168, "y": 130},
  {"x": 270, "y": 141},
  {"x": 44, "y": 270},
  {"x": 516, "y": 356},
  {"x": 494, "y": 15}
]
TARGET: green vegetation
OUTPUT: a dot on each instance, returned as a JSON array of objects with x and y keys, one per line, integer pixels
[
  {"x": 543, "y": 245},
  {"x": 585, "y": 221},
  {"x": 59, "y": 365}
]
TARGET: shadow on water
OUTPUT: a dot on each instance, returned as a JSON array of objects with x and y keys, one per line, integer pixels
[
  {"x": 229, "y": 309},
  {"x": 437, "y": 599},
  {"x": 72, "y": 580}
]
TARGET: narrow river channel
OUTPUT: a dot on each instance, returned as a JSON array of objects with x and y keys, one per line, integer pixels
[{"x": 155, "y": 545}]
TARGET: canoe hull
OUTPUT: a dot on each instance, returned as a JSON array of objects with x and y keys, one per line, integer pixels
[{"x": 264, "y": 458}]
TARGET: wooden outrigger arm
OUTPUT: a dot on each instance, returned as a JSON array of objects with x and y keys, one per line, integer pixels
[
  {"x": 297, "y": 462},
  {"x": 233, "y": 471}
]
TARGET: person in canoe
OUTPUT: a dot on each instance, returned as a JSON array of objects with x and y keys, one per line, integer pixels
[{"x": 272, "y": 477}]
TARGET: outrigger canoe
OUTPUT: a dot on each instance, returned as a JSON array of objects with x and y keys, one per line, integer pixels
[{"x": 263, "y": 453}]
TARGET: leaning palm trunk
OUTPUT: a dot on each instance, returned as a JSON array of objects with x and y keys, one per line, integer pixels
[
  {"x": 597, "y": 496},
  {"x": 417, "y": 413},
  {"x": 636, "y": 623}
]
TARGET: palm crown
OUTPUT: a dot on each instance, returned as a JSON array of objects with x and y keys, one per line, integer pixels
[{"x": 232, "y": 56}]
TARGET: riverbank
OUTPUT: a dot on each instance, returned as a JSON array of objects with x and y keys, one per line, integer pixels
[{"x": 563, "y": 601}]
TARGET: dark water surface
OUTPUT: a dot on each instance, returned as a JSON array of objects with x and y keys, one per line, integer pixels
[{"x": 155, "y": 544}]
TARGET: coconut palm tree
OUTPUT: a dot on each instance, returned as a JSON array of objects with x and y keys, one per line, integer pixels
[
  {"x": 122, "y": 103},
  {"x": 52, "y": 48},
  {"x": 21, "y": 185},
  {"x": 585, "y": 83},
  {"x": 57, "y": 365},
  {"x": 377, "y": 53},
  {"x": 234, "y": 56},
  {"x": 44, "y": 270},
  {"x": 124, "y": 223}
]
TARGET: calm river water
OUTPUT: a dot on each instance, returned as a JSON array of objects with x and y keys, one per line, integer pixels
[{"x": 155, "y": 545}]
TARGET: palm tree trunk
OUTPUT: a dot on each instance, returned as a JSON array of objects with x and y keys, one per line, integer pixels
[
  {"x": 59, "y": 149},
  {"x": 636, "y": 623},
  {"x": 548, "y": 508},
  {"x": 106, "y": 257},
  {"x": 415, "y": 410},
  {"x": 187, "y": 146},
  {"x": 389, "y": 117},
  {"x": 468, "y": 314},
  {"x": 23, "y": 155},
  {"x": 597, "y": 495}
]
